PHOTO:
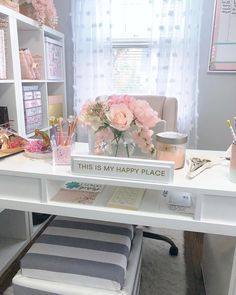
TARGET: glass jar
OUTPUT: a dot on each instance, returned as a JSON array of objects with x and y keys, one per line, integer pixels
[{"x": 171, "y": 147}]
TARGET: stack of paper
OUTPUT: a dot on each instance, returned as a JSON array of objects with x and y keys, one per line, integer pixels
[{"x": 126, "y": 198}]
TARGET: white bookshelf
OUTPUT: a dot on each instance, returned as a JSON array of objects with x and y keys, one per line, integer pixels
[
  {"x": 14, "y": 236},
  {"x": 22, "y": 32}
]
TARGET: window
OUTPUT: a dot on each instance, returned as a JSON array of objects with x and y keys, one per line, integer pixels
[
  {"x": 138, "y": 46},
  {"x": 130, "y": 67},
  {"x": 131, "y": 45}
]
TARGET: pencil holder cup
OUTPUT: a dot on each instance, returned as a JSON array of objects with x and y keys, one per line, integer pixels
[
  {"x": 232, "y": 169},
  {"x": 61, "y": 152}
]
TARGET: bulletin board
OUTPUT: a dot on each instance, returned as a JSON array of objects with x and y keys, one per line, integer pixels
[{"x": 223, "y": 44}]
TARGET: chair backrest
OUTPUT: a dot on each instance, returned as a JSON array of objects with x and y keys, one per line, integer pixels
[{"x": 167, "y": 108}]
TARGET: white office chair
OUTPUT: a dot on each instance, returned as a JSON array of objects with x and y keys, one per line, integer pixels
[{"x": 167, "y": 108}]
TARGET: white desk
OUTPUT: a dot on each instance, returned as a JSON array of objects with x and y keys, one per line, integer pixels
[{"x": 30, "y": 185}]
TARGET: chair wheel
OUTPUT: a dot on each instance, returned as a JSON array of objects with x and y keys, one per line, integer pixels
[{"x": 173, "y": 251}]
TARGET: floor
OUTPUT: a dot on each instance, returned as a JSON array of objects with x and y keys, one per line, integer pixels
[{"x": 193, "y": 251}]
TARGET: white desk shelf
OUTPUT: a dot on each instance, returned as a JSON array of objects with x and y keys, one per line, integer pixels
[
  {"x": 36, "y": 182},
  {"x": 24, "y": 32},
  {"x": 14, "y": 236},
  {"x": 30, "y": 185}
]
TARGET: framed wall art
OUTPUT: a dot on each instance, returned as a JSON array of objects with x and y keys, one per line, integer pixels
[
  {"x": 54, "y": 59},
  {"x": 223, "y": 44}
]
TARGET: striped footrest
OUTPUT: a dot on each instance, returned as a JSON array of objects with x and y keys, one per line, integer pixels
[{"x": 82, "y": 255}]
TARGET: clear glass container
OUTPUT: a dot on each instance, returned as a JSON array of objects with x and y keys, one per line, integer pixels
[
  {"x": 61, "y": 148},
  {"x": 232, "y": 171},
  {"x": 171, "y": 146}
]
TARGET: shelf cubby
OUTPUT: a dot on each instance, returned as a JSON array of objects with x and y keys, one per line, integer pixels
[{"x": 14, "y": 236}]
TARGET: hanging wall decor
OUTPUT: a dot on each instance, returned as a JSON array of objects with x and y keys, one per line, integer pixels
[{"x": 223, "y": 44}]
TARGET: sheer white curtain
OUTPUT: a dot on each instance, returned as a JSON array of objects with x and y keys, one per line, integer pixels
[
  {"x": 91, "y": 28},
  {"x": 175, "y": 40},
  {"x": 170, "y": 27}
]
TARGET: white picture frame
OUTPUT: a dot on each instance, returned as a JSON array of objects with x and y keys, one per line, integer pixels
[
  {"x": 222, "y": 55},
  {"x": 54, "y": 59}
]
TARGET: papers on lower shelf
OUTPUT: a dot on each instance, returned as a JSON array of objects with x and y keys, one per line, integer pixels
[
  {"x": 76, "y": 192},
  {"x": 126, "y": 198},
  {"x": 82, "y": 186}
]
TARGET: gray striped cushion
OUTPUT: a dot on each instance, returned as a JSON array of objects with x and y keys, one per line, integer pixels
[{"x": 82, "y": 252}]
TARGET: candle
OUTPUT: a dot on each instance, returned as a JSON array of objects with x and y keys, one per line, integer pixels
[{"x": 171, "y": 147}]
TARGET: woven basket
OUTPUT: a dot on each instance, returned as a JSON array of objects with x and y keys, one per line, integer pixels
[{"x": 10, "y": 4}]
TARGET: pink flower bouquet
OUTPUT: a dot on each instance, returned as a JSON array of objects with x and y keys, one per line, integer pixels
[
  {"x": 43, "y": 11},
  {"x": 120, "y": 118}
]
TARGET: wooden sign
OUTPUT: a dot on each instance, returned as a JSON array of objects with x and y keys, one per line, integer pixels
[{"x": 123, "y": 168}]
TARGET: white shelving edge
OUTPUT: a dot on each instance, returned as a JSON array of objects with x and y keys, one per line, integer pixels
[
  {"x": 29, "y": 21},
  {"x": 10, "y": 248},
  {"x": 6, "y": 81},
  {"x": 17, "y": 22}
]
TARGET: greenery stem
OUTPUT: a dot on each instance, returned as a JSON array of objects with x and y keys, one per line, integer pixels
[
  {"x": 127, "y": 149},
  {"x": 117, "y": 145}
]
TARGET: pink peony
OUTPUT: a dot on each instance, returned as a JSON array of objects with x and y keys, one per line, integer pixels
[
  {"x": 144, "y": 114},
  {"x": 143, "y": 138},
  {"x": 111, "y": 117},
  {"x": 120, "y": 117},
  {"x": 121, "y": 99}
]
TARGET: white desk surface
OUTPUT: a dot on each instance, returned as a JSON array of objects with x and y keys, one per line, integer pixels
[
  {"x": 30, "y": 185},
  {"x": 214, "y": 180}
]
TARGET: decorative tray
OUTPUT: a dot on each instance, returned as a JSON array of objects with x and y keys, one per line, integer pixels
[{"x": 10, "y": 152}]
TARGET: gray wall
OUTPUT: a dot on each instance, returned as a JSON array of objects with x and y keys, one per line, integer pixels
[
  {"x": 64, "y": 25},
  {"x": 217, "y": 94},
  {"x": 217, "y": 91}
]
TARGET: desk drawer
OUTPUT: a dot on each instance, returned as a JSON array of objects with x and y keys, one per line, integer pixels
[
  {"x": 220, "y": 208},
  {"x": 20, "y": 188}
]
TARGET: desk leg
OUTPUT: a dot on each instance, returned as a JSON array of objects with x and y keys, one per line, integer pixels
[{"x": 219, "y": 264}]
